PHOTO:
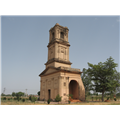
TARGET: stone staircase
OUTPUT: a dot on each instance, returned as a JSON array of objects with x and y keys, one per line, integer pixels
[{"x": 74, "y": 100}]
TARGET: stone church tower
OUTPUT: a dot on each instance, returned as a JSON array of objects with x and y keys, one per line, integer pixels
[{"x": 59, "y": 77}]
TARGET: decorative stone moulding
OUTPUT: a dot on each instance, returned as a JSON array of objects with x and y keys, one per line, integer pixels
[{"x": 57, "y": 60}]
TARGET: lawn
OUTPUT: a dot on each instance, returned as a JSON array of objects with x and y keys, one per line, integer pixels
[
  {"x": 15, "y": 102},
  {"x": 95, "y": 101}
]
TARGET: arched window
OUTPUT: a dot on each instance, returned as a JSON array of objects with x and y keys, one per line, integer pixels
[
  {"x": 62, "y": 35},
  {"x": 53, "y": 35}
]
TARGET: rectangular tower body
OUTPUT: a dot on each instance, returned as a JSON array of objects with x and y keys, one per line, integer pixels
[{"x": 58, "y": 76}]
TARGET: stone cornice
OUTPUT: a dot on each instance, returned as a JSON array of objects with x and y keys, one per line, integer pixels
[
  {"x": 61, "y": 71},
  {"x": 57, "y": 60},
  {"x": 56, "y": 40},
  {"x": 64, "y": 69},
  {"x": 59, "y": 26}
]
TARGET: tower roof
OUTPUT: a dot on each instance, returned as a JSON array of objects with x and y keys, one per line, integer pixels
[{"x": 56, "y": 24}]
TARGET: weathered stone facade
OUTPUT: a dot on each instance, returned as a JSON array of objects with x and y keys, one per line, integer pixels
[{"x": 59, "y": 77}]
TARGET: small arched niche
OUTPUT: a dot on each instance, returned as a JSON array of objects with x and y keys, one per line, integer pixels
[
  {"x": 62, "y": 35},
  {"x": 52, "y": 35}
]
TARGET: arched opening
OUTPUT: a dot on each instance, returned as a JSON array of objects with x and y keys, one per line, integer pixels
[
  {"x": 52, "y": 35},
  {"x": 73, "y": 89},
  {"x": 62, "y": 35}
]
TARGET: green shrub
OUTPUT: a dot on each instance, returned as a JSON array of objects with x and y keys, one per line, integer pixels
[
  {"x": 71, "y": 96},
  {"x": 33, "y": 99},
  {"x": 23, "y": 100},
  {"x": 69, "y": 101},
  {"x": 15, "y": 98},
  {"x": 30, "y": 97},
  {"x": 114, "y": 99},
  {"x": 4, "y": 98},
  {"x": 26, "y": 98},
  {"x": 8, "y": 98},
  {"x": 18, "y": 98},
  {"x": 118, "y": 95},
  {"x": 48, "y": 101},
  {"x": 58, "y": 98},
  {"x": 107, "y": 98}
]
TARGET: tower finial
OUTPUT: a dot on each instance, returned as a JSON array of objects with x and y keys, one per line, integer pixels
[{"x": 56, "y": 24}]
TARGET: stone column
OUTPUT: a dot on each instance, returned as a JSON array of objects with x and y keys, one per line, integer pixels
[
  {"x": 48, "y": 53},
  {"x": 79, "y": 88},
  {"x": 46, "y": 91},
  {"x": 55, "y": 50},
  {"x": 67, "y": 86},
  {"x": 60, "y": 85},
  {"x": 52, "y": 88},
  {"x": 65, "y": 54},
  {"x": 58, "y": 34},
  {"x": 59, "y": 52},
  {"x": 67, "y": 36},
  {"x": 55, "y": 33},
  {"x": 41, "y": 89},
  {"x": 68, "y": 53}
]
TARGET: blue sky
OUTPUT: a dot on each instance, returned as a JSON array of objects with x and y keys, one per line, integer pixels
[{"x": 24, "y": 42}]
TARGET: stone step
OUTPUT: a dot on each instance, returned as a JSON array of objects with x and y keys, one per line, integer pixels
[{"x": 74, "y": 100}]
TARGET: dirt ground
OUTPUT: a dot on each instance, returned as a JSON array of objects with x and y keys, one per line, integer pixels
[{"x": 60, "y": 103}]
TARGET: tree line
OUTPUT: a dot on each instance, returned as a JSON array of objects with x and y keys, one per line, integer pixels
[{"x": 17, "y": 94}]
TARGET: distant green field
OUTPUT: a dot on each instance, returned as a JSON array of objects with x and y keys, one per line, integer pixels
[{"x": 96, "y": 101}]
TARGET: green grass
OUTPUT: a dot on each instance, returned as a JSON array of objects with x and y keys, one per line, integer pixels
[
  {"x": 28, "y": 102},
  {"x": 15, "y": 102},
  {"x": 99, "y": 98}
]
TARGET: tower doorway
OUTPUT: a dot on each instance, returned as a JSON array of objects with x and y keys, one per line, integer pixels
[
  {"x": 49, "y": 92},
  {"x": 73, "y": 89}
]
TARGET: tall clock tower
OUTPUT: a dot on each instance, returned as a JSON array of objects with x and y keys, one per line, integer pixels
[
  {"x": 58, "y": 76},
  {"x": 58, "y": 47}
]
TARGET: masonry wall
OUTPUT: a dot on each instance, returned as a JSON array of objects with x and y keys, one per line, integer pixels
[
  {"x": 49, "y": 82},
  {"x": 58, "y": 83}
]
